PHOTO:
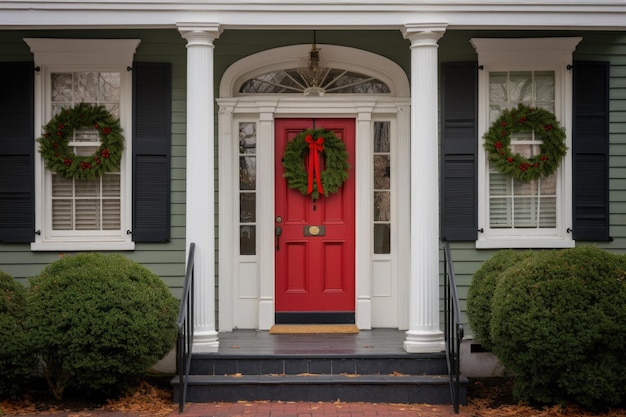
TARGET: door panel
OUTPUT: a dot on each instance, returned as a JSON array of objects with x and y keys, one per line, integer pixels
[{"x": 314, "y": 273}]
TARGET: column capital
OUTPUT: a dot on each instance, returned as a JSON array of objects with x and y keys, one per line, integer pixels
[
  {"x": 199, "y": 33},
  {"x": 423, "y": 34}
]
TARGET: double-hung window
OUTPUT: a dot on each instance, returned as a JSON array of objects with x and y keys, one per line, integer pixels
[
  {"x": 536, "y": 73},
  {"x": 83, "y": 214}
]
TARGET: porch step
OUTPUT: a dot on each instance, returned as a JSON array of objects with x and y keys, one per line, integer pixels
[
  {"x": 432, "y": 389},
  {"x": 398, "y": 378}
]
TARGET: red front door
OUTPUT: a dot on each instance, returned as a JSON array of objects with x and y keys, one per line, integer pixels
[{"x": 314, "y": 273}]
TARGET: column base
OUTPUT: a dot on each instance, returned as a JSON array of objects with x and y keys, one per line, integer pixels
[
  {"x": 424, "y": 342},
  {"x": 205, "y": 342}
]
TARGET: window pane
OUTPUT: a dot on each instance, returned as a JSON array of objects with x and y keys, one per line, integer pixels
[
  {"x": 545, "y": 86},
  {"x": 498, "y": 91},
  {"x": 500, "y": 184},
  {"x": 247, "y": 207},
  {"x": 247, "y": 240},
  {"x": 247, "y": 173},
  {"x": 500, "y": 212},
  {"x": 547, "y": 209},
  {"x": 87, "y": 134},
  {"x": 109, "y": 86},
  {"x": 111, "y": 214},
  {"x": 382, "y": 138},
  {"x": 382, "y": 172},
  {"x": 62, "y": 218},
  {"x": 111, "y": 184},
  {"x": 382, "y": 206},
  {"x": 62, "y": 187},
  {"x": 548, "y": 185},
  {"x": 382, "y": 238},
  {"x": 520, "y": 87},
  {"x": 247, "y": 138},
  {"x": 61, "y": 88},
  {"x": 86, "y": 87},
  {"x": 87, "y": 215},
  {"x": 525, "y": 212},
  {"x": 88, "y": 188}
]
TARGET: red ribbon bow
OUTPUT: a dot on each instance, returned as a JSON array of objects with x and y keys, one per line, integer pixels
[{"x": 315, "y": 146}]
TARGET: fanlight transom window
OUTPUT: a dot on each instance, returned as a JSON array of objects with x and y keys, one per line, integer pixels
[{"x": 299, "y": 81}]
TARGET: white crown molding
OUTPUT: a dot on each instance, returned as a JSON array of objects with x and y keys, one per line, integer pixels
[{"x": 328, "y": 14}]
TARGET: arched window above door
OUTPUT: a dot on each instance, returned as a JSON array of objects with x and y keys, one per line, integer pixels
[
  {"x": 296, "y": 81},
  {"x": 343, "y": 71}
]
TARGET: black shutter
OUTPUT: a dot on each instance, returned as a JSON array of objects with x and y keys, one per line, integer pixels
[
  {"x": 17, "y": 148},
  {"x": 151, "y": 151},
  {"x": 590, "y": 151},
  {"x": 459, "y": 149}
]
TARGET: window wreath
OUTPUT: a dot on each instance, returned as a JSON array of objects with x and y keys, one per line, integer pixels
[
  {"x": 523, "y": 118},
  {"x": 60, "y": 158},
  {"x": 314, "y": 144}
]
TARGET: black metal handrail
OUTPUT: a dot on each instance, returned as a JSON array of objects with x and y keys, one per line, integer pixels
[
  {"x": 453, "y": 326},
  {"x": 185, "y": 330}
]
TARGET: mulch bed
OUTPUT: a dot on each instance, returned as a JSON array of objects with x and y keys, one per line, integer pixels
[{"x": 489, "y": 397}]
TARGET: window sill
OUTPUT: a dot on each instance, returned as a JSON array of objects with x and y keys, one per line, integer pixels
[
  {"x": 82, "y": 246},
  {"x": 525, "y": 243}
]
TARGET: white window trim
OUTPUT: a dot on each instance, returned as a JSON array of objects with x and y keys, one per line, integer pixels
[
  {"x": 554, "y": 54},
  {"x": 54, "y": 55}
]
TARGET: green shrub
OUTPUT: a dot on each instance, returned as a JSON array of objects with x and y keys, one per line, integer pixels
[
  {"x": 482, "y": 288},
  {"x": 559, "y": 325},
  {"x": 99, "y": 322},
  {"x": 17, "y": 362}
]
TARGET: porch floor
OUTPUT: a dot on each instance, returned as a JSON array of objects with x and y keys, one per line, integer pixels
[{"x": 376, "y": 342}]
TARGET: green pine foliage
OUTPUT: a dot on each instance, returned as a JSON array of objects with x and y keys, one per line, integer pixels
[
  {"x": 526, "y": 119},
  {"x": 334, "y": 159},
  {"x": 17, "y": 362},
  {"x": 558, "y": 324},
  {"x": 99, "y": 323},
  {"x": 59, "y": 156}
]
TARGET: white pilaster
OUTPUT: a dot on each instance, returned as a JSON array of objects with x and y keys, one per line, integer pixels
[
  {"x": 424, "y": 334},
  {"x": 364, "y": 214},
  {"x": 200, "y": 189},
  {"x": 265, "y": 212}
]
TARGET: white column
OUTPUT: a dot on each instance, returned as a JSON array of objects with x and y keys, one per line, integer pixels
[
  {"x": 424, "y": 334},
  {"x": 200, "y": 212}
]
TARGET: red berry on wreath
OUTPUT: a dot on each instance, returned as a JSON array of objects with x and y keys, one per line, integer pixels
[{"x": 106, "y": 130}]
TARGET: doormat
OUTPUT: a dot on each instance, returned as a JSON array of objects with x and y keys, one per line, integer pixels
[{"x": 314, "y": 329}]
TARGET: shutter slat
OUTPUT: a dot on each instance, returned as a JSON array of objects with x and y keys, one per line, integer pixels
[
  {"x": 459, "y": 211},
  {"x": 151, "y": 152},
  {"x": 591, "y": 151}
]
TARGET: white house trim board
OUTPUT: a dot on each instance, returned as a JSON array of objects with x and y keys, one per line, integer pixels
[
  {"x": 263, "y": 110},
  {"x": 309, "y": 14}
]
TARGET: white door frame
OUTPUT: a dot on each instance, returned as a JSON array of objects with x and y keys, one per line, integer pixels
[{"x": 246, "y": 284}]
